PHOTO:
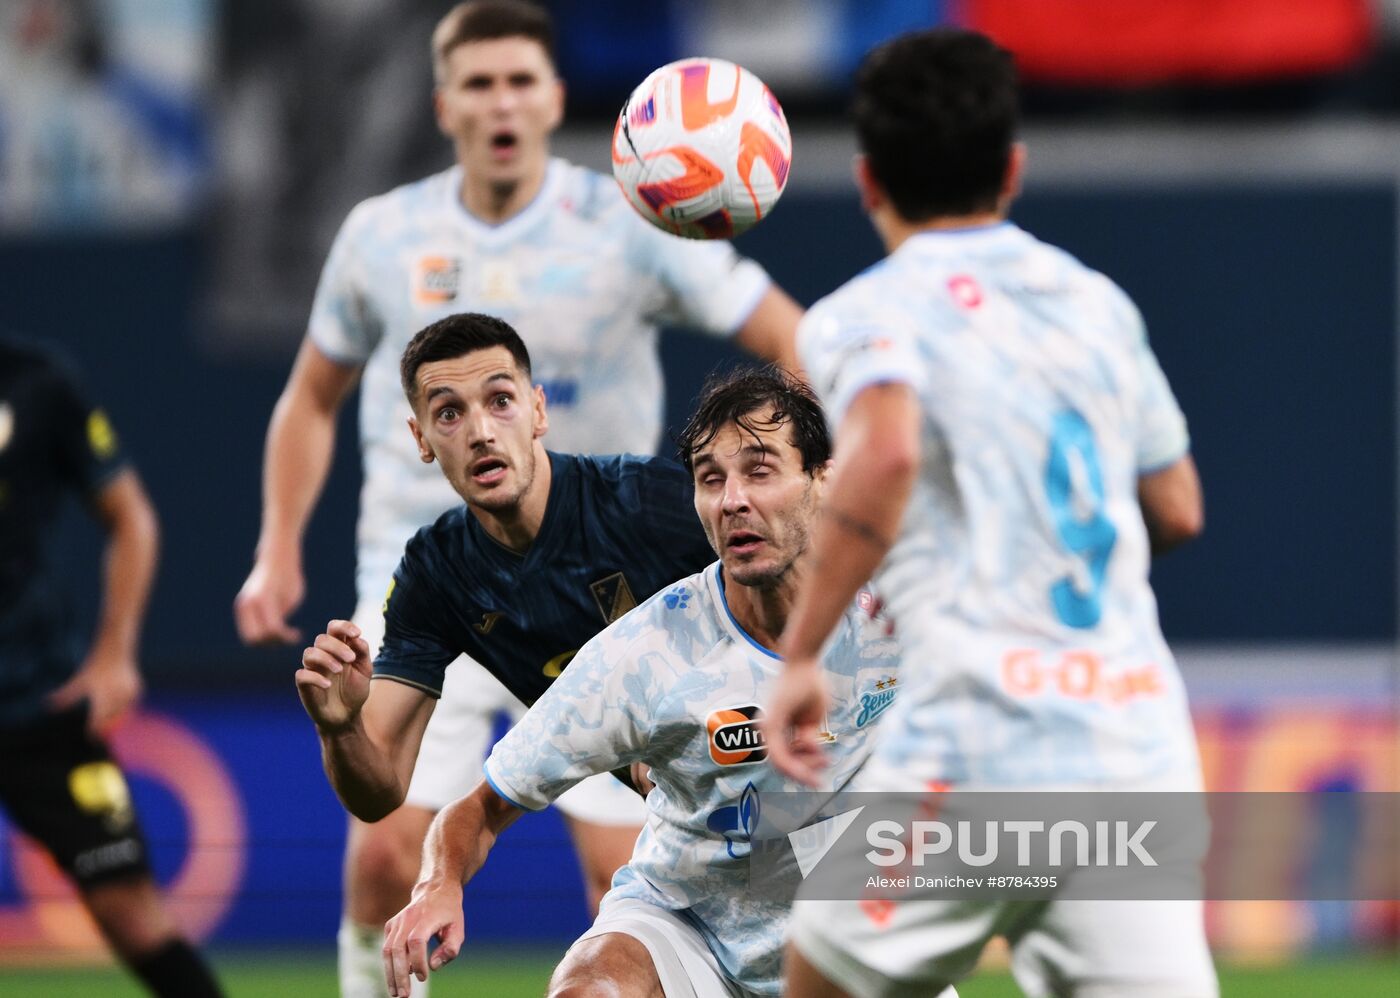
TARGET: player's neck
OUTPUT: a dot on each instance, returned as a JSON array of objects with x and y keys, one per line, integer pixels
[
  {"x": 494, "y": 202},
  {"x": 516, "y": 529},
  {"x": 895, "y": 231},
  {"x": 762, "y": 611}
]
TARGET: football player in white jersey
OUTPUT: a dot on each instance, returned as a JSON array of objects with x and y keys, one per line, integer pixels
[
  {"x": 674, "y": 684},
  {"x": 1008, "y": 454},
  {"x": 554, "y": 250}
]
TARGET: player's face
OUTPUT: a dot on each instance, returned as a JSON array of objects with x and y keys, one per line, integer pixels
[
  {"x": 755, "y": 502},
  {"x": 498, "y": 101},
  {"x": 478, "y": 417}
]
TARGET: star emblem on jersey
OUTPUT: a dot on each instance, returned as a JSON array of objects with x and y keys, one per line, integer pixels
[
  {"x": 614, "y": 596},
  {"x": 677, "y": 599}
]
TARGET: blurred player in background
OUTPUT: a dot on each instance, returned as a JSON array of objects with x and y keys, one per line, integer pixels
[
  {"x": 58, "y": 781},
  {"x": 553, "y": 249},
  {"x": 1008, "y": 453},
  {"x": 543, "y": 553},
  {"x": 656, "y": 688}
]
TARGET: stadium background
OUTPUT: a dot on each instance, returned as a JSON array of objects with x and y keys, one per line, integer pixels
[{"x": 171, "y": 172}]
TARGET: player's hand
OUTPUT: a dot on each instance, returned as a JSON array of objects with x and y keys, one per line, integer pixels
[
  {"x": 793, "y": 722},
  {"x": 110, "y": 683},
  {"x": 333, "y": 680},
  {"x": 271, "y": 593},
  {"x": 436, "y": 910}
]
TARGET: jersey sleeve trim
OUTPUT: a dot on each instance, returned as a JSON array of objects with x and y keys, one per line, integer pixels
[
  {"x": 509, "y": 798},
  {"x": 748, "y": 302},
  {"x": 434, "y": 693},
  {"x": 332, "y": 354},
  {"x": 1162, "y": 464}
]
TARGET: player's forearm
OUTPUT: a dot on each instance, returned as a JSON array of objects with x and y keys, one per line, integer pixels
[
  {"x": 461, "y": 836},
  {"x": 300, "y": 442},
  {"x": 361, "y": 772},
  {"x": 129, "y": 566}
]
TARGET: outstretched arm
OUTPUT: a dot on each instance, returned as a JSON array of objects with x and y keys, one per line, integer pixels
[
  {"x": 458, "y": 842},
  {"x": 300, "y": 442},
  {"x": 369, "y": 743},
  {"x": 109, "y": 677},
  {"x": 877, "y": 459},
  {"x": 770, "y": 331}
]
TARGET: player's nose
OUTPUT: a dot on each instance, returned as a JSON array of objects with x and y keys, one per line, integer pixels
[{"x": 734, "y": 499}]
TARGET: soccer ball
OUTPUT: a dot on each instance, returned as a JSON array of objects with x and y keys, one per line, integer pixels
[{"x": 702, "y": 149}]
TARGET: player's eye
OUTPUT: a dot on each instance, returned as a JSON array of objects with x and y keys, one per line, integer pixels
[
  {"x": 447, "y": 414},
  {"x": 502, "y": 401},
  {"x": 522, "y": 80}
]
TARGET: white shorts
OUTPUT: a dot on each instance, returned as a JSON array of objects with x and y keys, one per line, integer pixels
[
  {"x": 459, "y": 736},
  {"x": 683, "y": 962},
  {"x": 1091, "y": 949}
]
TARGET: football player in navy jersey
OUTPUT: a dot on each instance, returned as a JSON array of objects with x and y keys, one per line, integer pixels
[
  {"x": 547, "y": 550},
  {"x": 58, "y": 780}
]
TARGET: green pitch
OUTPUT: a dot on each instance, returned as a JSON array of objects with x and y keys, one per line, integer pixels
[{"x": 523, "y": 974}]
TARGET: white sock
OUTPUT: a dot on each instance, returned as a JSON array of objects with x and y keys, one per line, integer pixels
[{"x": 360, "y": 962}]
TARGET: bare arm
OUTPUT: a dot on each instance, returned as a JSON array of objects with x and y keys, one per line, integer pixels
[
  {"x": 300, "y": 442},
  {"x": 370, "y": 732},
  {"x": 877, "y": 459},
  {"x": 1172, "y": 506},
  {"x": 770, "y": 331},
  {"x": 457, "y": 845},
  {"x": 109, "y": 677}
]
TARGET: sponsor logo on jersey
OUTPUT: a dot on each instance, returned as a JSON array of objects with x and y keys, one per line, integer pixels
[
  {"x": 736, "y": 822},
  {"x": 735, "y": 738},
  {"x": 488, "y": 621},
  {"x": 436, "y": 279},
  {"x": 965, "y": 290},
  {"x": 7, "y": 424},
  {"x": 875, "y": 702},
  {"x": 101, "y": 437},
  {"x": 388, "y": 595},
  {"x": 560, "y": 391},
  {"x": 98, "y": 788},
  {"x": 678, "y": 598},
  {"x": 555, "y": 666},
  {"x": 613, "y": 596}
]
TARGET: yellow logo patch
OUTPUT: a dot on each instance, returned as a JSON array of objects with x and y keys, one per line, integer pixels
[
  {"x": 101, "y": 437},
  {"x": 100, "y": 788}
]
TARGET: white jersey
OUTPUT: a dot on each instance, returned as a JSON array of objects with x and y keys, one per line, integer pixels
[
  {"x": 677, "y": 684},
  {"x": 1019, "y": 577},
  {"x": 579, "y": 275}
]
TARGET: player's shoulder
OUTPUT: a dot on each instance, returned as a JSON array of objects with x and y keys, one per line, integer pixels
[
  {"x": 439, "y": 543},
  {"x": 590, "y": 196},
  {"x": 391, "y": 210},
  {"x": 624, "y": 478}
]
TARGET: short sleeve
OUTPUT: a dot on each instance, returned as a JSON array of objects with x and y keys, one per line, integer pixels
[
  {"x": 1162, "y": 437},
  {"x": 707, "y": 286},
  {"x": 844, "y": 354},
  {"x": 344, "y": 324},
  {"x": 591, "y": 720},
  {"x": 415, "y": 650},
  {"x": 88, "y": 451}
]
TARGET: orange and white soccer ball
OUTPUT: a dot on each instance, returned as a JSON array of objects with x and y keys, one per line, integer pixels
[{"x": 702, "y": 149}]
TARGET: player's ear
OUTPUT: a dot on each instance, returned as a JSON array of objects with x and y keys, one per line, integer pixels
[
  {"x": 872, "y": 195},
  {"x": 425, "y": 453},
  {"x": 1015, "y": 173},
  {"x": 556, "y": 117},
  {"x": 541, "y": 411},
  {"x": 440, "y": 111}
]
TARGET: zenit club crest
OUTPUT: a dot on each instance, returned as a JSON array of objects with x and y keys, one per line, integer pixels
[{"x": 735, "y": 739}]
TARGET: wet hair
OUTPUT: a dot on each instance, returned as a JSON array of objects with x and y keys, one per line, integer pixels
[
  {"x": 487, "y": 20},
  {"x": 456, "y": 336},
  {"x": 936, "y": 115},
  {"x": 758, "y": 398}
]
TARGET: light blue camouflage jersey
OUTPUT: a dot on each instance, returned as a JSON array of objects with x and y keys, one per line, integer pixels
[
  {"x": 1019, "y": 578},
  {"x": 583, "y": 279},
  {"x": 677, "y": 684}
]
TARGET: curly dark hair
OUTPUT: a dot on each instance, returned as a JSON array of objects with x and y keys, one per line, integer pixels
[
  {"x": 744, "y": 396},
  {"x": 936, "y": 114}
]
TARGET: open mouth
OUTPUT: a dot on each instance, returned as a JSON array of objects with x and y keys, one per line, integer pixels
[
  {"x": 503, "y": 144},
  {"x": 743, "y": 542},
  {"x": 488, "y": 470}
]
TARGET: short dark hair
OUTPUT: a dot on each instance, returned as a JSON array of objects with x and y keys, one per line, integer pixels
[
  {"x": 936, "y": 115},
  {"x": 455, "y": 336},
  {"x": 487, "y": 20},
  {"x": 738, "y": 396}
]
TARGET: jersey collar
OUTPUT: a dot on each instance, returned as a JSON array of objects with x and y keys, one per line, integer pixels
[
  {"x": 503, "y": 232},
  {"x": 735, "y": 629}
]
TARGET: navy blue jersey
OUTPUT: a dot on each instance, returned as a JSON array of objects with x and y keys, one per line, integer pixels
[
  {"x": 54, "y": 443},
  {"x": 615, "y": 531}
]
